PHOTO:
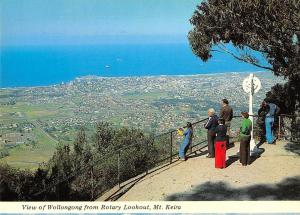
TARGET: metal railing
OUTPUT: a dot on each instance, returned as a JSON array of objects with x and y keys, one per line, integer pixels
[
  {"x": 126, "y": 163},
  {"x": 119, "y": 166},
  {"x": 165, "y": 148}
]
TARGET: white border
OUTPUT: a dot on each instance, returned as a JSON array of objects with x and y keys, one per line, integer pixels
[{"x": 178, "y": 207}]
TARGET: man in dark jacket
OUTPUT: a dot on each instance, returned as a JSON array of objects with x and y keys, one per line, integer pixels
[
  {"x": 226, "y": 113},
  {"x": 210, "y": 125}
]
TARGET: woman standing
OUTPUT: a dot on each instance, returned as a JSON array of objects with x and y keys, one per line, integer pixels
[
  {"x": 220, "y": 144},
  {"x": 245, "y": 137},
  {"x": 188, "y": 135}
]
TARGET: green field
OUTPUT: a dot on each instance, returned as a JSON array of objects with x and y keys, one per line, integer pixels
[{"x": 28, "y": 155}]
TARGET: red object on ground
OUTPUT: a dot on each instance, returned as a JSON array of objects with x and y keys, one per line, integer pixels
[{"x": 220, "y": 154}]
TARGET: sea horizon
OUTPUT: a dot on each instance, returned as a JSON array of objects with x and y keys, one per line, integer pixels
[
  {"x": 29, "y": 66},
  {"x": 145, "y": 76}
]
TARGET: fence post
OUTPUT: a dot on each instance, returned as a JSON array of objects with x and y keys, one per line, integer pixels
[
  {"x": 147, "y": 156},
  {"x": 119, "y": 157},
  {"x": 279, "y": 127},
  {"x": 171, "y": 148},
  {"x": 92, "y": 178},
  {"x": 191, "y": 142}
]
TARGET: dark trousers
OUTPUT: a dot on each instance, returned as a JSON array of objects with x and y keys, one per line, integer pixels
[
  {"x": 262, "y": 133},
  {"x": 211, "y": 143},
  {"x": 228, "y": 124},
  {"x": 227, "y": 141},
  {"x": 245, "y": 150}
]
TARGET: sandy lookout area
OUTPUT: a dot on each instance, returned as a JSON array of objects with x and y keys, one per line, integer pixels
[{"x": 275, "y": 175}]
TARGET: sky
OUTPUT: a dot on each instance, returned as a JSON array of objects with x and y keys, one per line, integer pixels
[{"x": 43, "y": 22}]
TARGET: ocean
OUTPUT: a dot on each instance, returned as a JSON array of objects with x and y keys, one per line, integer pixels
[{"x": 45, "y": 65}]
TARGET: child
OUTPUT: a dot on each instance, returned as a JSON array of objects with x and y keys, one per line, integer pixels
[
  {"x": 220, "y": 144},
  {"x": 188, "y": 135}
]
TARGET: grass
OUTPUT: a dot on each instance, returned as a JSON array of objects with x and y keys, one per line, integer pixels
[
  {"x": 70, "y": 134},
  {"x": 32, "y": 112},
  {"x": 29, "y": 157}
]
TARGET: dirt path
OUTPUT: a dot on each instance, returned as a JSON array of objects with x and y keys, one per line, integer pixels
[
  {"x": 197, "y": 179},
  {"x": 37, "y": 125}
]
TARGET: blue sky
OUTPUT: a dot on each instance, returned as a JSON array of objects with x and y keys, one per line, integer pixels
[{"x": 37, "y": 22}]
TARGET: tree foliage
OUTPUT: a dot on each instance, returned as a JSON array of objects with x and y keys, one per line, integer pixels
[{"x": 270, "y": 27}]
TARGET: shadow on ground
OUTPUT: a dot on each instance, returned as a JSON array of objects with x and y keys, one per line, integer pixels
[
  {"x": 258, "y": 154},
  {"x": 288, "y": 189},
  {"x": 197, "y": 154},
  {"x": 231, "y": 160},
  {"x": 293, "y": 147}
]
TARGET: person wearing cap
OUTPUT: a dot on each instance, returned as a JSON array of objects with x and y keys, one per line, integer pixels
[
  {"x": 188, "y": 136},
  {"x": 210, "y": 125},
  {"x": 220, "y": 144},
  {"x": 245, "y": 137}
]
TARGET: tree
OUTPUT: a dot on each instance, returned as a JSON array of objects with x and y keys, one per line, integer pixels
[
  {"x": 80, "y": 142},
  {"x": 83, "y": 159},
  {"x": 103, "y": 136},
  {"x": 60, "y": 167},
  {"x": 268, "y": 27}
]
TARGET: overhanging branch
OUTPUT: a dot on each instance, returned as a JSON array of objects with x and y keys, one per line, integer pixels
[{"x": 225, "y": 50}]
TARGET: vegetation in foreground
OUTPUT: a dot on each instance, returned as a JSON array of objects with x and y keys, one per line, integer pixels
[{"x": 83, "y": 171}]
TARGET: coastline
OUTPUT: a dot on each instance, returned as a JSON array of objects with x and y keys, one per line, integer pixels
[{"x": 134, "y": 77}]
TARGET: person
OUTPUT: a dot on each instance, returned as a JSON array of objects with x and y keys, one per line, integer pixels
[
  {"x": 262, "y": 112},
  {"x": 245, "y": 137},
  {"x": 188, "y": 136},
  {"x": 220, "y": 144},
  {"x": 210, "y": 125},
  {"x": 226, "y": 113},
  {"x": 273, "y": 111}
]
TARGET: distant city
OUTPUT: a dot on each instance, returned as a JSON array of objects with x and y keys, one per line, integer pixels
[{"x": 35, "y": 119}]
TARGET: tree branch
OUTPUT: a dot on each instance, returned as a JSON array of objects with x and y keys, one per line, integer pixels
[{"x": 241, "y": 59}]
